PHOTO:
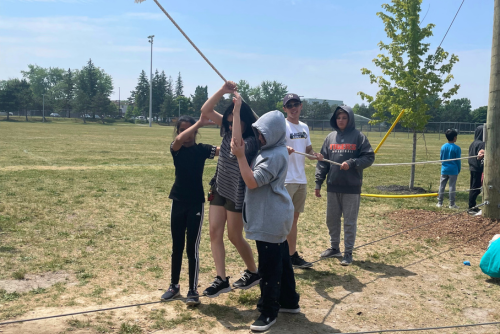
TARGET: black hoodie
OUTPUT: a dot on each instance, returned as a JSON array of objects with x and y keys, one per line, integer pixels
[
  {"x": 349, "y": 145},
  {"x": 474, "y": 148}
]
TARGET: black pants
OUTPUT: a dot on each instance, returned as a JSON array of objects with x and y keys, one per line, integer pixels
[
  {"x": 186, "y": 216},
  {"x": 277, "y": 287},
  {"x": 475, "y": 182}
]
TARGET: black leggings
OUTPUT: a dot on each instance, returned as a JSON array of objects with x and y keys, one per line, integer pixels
[
  {"x": 475, "y": 182},
  {"x": 186, "y": 216}
]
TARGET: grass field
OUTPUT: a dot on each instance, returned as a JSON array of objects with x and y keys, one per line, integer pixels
[{"x": 89, "y": 202}]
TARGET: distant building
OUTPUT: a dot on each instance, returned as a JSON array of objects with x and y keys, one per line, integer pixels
[
  {"x": 330, "y": 102},
  {"x": 123, "y": 106}
]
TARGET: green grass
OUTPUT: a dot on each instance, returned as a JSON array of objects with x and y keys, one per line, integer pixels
[{"x": 92, "y": 200}]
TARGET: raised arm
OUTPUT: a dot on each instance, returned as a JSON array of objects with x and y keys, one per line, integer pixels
[
  {"x": 181, "y": 137},
  {"x": 208, "y": 108},
  {"x": 236, "y": 128}
]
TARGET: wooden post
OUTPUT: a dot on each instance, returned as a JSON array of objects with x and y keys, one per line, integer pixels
[{"x": 491, "y": 183}]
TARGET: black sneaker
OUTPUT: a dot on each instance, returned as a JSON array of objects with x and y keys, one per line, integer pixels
[
  {"x": 331, "y": 252},
  {"x": 172, "y": 292},
  {"x": 347, "y": 259},
  {"x": 217, "y": 287},
  {"x": 263, "y": 323},
  {"x": 193, "y": 298},
  {"x": 473, "y": 211},
  {"x": 299, "y": 262},
  {"x": 248, "y": 280}
]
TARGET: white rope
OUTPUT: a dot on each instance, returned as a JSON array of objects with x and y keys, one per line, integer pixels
[
  {"x": 314, "y": 157},
  {"x": 393, "y": 164},
  {"x": 422, "y": 162}
]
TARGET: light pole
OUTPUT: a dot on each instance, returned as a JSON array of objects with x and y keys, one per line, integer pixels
[
  {"x": 119, "y": 106},
  {"x": 43, "y": 108},
  {"x": 151, "y": 83}
]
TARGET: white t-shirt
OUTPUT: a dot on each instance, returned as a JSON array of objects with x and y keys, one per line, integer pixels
[{"x": 297, "y": 137}]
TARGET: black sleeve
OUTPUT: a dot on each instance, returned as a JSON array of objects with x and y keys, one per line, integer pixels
[
  {"x": 174, "y": 153},
  {"x": 208, "y": 151}
]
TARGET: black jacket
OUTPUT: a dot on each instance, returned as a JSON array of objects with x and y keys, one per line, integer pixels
[{"x": 474, "y": 148}]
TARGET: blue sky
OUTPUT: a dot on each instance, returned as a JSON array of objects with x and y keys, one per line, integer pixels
[{"x": 315, "y": 47}]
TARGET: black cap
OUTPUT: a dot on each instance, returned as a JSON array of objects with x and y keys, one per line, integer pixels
[{"x": 289, "y": 97}]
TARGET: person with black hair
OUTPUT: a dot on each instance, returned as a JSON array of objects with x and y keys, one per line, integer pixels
[
  {"x": 188, "y": 200},
  {"x": 476, "y": 167},
  {"x": 449, "y": 169},
  {"x": 228, "y": 189}
]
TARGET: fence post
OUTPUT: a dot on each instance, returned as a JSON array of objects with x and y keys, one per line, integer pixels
[{"x": 439, "y": 131}]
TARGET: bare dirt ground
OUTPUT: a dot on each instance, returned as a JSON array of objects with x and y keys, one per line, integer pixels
[{"x": 397, "y": 285}]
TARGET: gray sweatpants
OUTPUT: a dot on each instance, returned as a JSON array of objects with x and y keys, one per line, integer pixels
[
  {"x": 453, "y": 187},
  {"x": 339, "y": 204}
]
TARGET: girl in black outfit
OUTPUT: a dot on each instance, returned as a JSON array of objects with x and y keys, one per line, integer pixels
[{"x": 188, "y": 199}]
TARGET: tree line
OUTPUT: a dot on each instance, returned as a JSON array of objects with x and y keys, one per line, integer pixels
[
  {"x": 85, "y": 91},
  {"x": 457, "y": 110}
]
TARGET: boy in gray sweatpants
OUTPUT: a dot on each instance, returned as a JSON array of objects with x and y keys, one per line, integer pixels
[{"x": 351, "y": 148}]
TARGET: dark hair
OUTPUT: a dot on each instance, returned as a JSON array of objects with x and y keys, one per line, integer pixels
[
  {"x": 246, "y": 115},
  {"x": 451, "y": 134},
  {"x": 182, "y": 119}
]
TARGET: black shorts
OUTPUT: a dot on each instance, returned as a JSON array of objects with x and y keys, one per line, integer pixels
[{"x": 218, "y": 200}]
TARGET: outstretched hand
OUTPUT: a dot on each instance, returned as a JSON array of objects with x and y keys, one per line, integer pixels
[
  {"x": 229, "y": 87},
  {"x": 238, "y": 148}
]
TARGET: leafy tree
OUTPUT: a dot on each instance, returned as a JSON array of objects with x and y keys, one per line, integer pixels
[
  {"x": 168, "y": 106},
  {"x": 159, "y": 92},
  {"x": 68, "y": 90},
  {"x": 407, "y": 79},
  {"x": 199, "y": 98},
  {"x": 184, "y": 106},
  {"x": 92, "y": 81},
  {"x": 179, "y": 86},
  {"x": 364, "y": 110},
  {"x": 458, "y": 110},
  {"x": 479, "y": 115},
  {"x": 15, "y": 95},
  {"x": 244, "y": 90}
]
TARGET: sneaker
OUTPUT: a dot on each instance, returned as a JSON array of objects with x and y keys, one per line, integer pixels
[
  {"x": 247, "y": 280},
  {"x": 347, "y": 259},
  {"x": 439, "y": 205},
  {"x": 173, "y": 291},
  {"x": 217, "y": 287},
  {"x": 479, "y": 213},
  {"x": 299, "y": 262},
  {"x": 331, "y": 252},
  {"x": 193, "y": 298},
  {"x": 263, "y": 323},
  {"x": 290, "y": 310},
  {"x": 473, "y": 212},
  {"x": 454, "y": 206}
]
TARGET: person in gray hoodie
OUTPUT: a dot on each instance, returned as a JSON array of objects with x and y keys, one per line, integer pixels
[
  {"x": 351, "y": 148},
  {"x": 268, "y": 217}
]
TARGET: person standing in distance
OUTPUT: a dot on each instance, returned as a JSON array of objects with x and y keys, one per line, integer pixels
[{"x": 297, "y": 139}]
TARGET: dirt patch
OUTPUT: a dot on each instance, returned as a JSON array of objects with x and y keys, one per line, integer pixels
[
  {"x": 33, "y": 282},
  {"x": 460, "y": 230},
  {"x": 403, "y": 190}
]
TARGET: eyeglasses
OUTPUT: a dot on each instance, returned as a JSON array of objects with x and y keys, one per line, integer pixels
[{"x": 292, "y": 105}]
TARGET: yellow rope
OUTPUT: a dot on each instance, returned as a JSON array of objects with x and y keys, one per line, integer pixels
[
  {"x": 400, "y": 196},
  {"x": 390, "y": 130}
]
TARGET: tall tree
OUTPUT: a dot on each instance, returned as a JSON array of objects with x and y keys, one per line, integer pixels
[
  {"x": 68, "y": 91},
  {"x": 159, "y": 92},
  {"x": 407, "y": 79},
  {"x": 142, "y": 94},
  {"x": 92, "y": 81},
  {"x": 168, "y": 106},
  {"x": 458, "y": 110},
  {"x": 179, "y": 87},
  {"x": 479, "y": 114},
  {"x": 199, "y": 98}
]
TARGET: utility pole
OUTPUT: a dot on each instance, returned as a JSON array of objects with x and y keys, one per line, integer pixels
[
  {"x": 119, "y": 104},
  {"x": 151, "y": 83},
  {"x": 43, "y": 108},
  {"x": 491, "y": 183}
]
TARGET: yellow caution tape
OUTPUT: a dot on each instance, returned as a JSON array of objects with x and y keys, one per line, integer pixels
[{"x": 400, "y": 196}]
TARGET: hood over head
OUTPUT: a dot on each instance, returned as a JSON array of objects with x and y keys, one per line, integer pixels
[
  {"x": 350, "y": 124},
  {"x": 272, "y": 125},
  {"x": 478, "y": 134}
]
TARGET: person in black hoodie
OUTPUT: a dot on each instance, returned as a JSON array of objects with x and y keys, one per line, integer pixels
[
  {"x": 351, "y": 148},
  {"x": 476, "y": 169}
]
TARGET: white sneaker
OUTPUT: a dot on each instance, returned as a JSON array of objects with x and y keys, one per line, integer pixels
[
  {"x": 454, "y": 206},
  {"x": 439, "y": 205},
  {"x": 480, "y": 213}
]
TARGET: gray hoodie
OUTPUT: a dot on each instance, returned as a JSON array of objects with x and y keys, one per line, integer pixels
[
  {"x": 350, "y": 146},
  {"x": 268, "y": 209}
]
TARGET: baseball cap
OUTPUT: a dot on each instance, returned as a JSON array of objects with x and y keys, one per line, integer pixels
[{"x": 289, "y": 97}]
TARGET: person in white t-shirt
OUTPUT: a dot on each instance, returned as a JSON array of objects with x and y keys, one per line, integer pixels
[{"x": 297, "y": 139}]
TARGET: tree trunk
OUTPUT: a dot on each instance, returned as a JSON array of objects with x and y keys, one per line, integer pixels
[{"x": 413, "y": 157}]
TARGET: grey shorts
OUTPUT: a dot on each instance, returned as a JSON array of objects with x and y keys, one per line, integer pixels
[{"x": 298, "y": 193}]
